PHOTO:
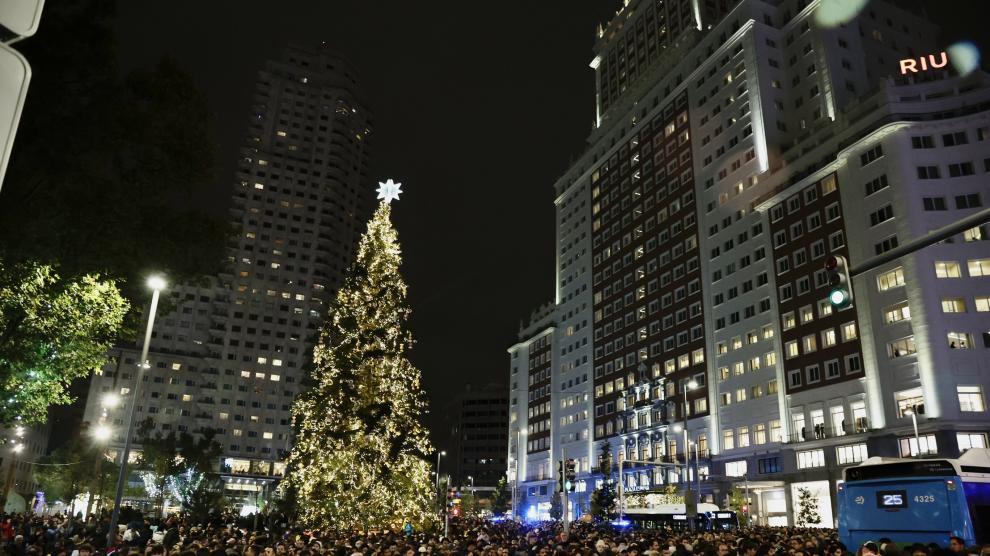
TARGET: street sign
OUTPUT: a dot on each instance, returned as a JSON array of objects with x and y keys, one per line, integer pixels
[
  {"x": 15, "y": 72},
  {"x": 20, "y": 17}
]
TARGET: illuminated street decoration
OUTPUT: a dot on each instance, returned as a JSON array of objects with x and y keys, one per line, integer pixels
[{"x": 389, "y": 190}]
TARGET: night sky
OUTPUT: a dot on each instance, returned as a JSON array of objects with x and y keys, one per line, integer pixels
[{"x": 478, "y": 108}]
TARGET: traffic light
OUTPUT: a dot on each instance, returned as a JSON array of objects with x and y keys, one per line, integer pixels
[
  {"x": 841, "y": 294},
  {"x": 570, "y": 474},
  {"x": 560, "y": 476}
]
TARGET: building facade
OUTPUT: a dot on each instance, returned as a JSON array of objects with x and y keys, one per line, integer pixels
[
  {"x": 231, "y": 355},
  {"x": 478, "y": 439},
  {"x": 720, "y": 174}
]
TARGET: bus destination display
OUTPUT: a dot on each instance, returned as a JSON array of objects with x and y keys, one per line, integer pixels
[{"x": 891, "y": 499}]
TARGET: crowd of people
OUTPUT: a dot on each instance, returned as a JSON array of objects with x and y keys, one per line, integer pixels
[{"x": 25, "y": 535}]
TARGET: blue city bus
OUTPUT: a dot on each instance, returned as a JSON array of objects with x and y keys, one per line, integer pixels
[{"x": 916, "y": 500}]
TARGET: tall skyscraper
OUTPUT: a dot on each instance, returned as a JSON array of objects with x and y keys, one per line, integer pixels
[
  {"x": 723, "y": 169},
  {"x": 231, "y": 355}
]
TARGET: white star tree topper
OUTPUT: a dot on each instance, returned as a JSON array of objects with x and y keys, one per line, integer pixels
[{"x": 389, "y": 190}]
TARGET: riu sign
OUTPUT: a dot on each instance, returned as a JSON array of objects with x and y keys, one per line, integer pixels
[{"x": 924, "y": 63}]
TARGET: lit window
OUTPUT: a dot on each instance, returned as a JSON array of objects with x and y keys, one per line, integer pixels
[
  {"x": 848, "y": 331},
  {"x": 176, "y": 366},
  {"x": 742, "y": 437},
  {"x": 259, "y": 375},
  {"x": 983, "y": 304},
  {"x": 947, "y": 269},
  {"x": 971, "y": 398},
  {"x": 811, "y": 458},
  {"x": 853, "y": 453},
  {"x": 277, "y": 362},
  {"x": 828, "y": 337},
  {"x": 897, "y": 313},
  {"x": 728, "y": 442},
  {"x": 901, "y": 348},
  {"x": 266, "y": 435},
  {"x": 224, "y": 416},
  {"x": 245, "y": 374},
  {"x": 925, "y": 444},
  {"x": 967, "y": 440},
  {"x": 791, "y": 349},
  {"x": 735, "y": 468},
  {"x": 979, "y": 267},
  {"x": 238, "y": 432},
  {"x": 953, "y": 305},
  {"x": 809, "y": 344},
  {"x": 908, "y": 400},
  {"x": 959, "y": 340},
  {"x": 274, "y": 378},
  {"x": 262, "y": 360},
  {"x": 186, "y": 398},
  {"x": 890, "y": 279}
]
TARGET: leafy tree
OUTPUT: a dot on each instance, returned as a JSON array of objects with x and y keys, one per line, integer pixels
[
  {"x": 106, "y": 165},
  {"x": 469, "y": 504},
  {"x": 739, "y": 504},
  {"x": 199, "y": 493},
  {"x": 52, "y": 330},
  {"x": 807, "y": 509},
  {"x": 603, "y": 498},
  {"x": 68, "y": 471},
  {"x": 165, "y": 456},
  {"x": 360, "y": 459},
  {"x": 501, "y": 498}
]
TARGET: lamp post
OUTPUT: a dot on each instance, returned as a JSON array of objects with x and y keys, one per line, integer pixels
[
  {"x": 688, "y": 495},
  {"x": 471, "y": 478},
  {"x": 157, "y": 284},
  {"x": 440, "y": 453},
  {"x": 914, "y": 421}
]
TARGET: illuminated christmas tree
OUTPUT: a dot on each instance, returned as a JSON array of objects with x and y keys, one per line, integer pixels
[{"x": 361, "y": 455}]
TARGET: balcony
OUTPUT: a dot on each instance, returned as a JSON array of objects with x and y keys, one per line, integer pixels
[{"x": 822, "y": 432}]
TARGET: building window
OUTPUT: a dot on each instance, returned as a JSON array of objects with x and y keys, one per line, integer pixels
[
  {"x": 897, "y": 313},
  {"x": 811, "y": 458},
  {"x": 768, "y": 465},
  {"x": 971, "y": 398},
  {"x": 928, "y": 172},
  {"x": 959, "y": 340},
  {"x": 735, "y": 468},
  {"x": 853, "y": 453},
  {"x": 947, "y": 269},
  {"x": 925, "y": 444},
  {"x": 953, "y": 305},
  {"x": 728, "y": 440},
  {"x": 982, "y": 304},
  {"x": 891, "y": 279},
  {"x": 967, "y": 440},
  {"x": 979, "y": 267},
  {"x": 908, "y": 399}
]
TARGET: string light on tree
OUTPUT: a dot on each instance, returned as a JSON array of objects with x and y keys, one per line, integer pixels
[{"x": 362, "y": 458}]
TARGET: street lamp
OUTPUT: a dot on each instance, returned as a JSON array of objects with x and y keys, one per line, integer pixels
[
  {"x": 102, "y": 433},
  {"x": 156, "y": 284},
  {"x": 914, "y": 421},
  {"x": 440, "y": 453},
  {"x": 8, "y": 482},
  {"x": 470, "y": 478},
  {"x": 691, "y": 385},
  {"x": 111, "y": 400}
]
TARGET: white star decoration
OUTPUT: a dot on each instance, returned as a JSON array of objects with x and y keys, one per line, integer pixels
[{"x": 389, "y": 190}]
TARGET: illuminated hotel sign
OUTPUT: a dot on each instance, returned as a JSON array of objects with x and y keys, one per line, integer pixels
[{"x": 932, "y": 61}]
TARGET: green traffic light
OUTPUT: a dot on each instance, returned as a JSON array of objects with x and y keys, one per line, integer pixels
[{"x": 838, "y": 297}]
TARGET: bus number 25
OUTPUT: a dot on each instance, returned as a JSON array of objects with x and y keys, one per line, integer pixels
[{"x": 924, "y": 498}]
